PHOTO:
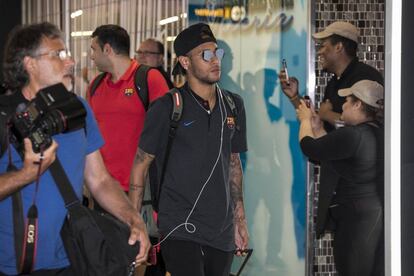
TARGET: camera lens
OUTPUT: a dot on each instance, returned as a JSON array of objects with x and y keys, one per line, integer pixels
[{"x": 53, "y": 123}]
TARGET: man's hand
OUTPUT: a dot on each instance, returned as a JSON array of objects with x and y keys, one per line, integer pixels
[
  {"x": 14, "y": 180},
  {"x": 291, "y": 89},
  {"x": 241, "y": 236},
  {"x": 139, "y": 233},
  {"x": 31, "y": 159}
]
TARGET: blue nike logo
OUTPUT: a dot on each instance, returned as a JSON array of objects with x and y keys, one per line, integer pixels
[{"x": 186, "y": 124}]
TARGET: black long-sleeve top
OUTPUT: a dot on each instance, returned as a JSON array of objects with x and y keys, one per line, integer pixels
[{"x": 352, "y": 166}]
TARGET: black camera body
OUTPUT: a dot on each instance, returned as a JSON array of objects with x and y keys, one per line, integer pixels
[{"x": 54, "y": 110}]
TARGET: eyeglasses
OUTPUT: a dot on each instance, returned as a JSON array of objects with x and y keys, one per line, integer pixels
[
  {"x": 207, "y": 55},
  {"x": 146, "y": 53},
  {"x": 61, "y": 54}
]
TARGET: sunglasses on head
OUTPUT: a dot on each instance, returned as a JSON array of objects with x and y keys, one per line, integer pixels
[{"x": 209, "y": 54}]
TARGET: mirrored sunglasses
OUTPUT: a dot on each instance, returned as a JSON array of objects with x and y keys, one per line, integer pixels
[{"x": 209, "y": 54}]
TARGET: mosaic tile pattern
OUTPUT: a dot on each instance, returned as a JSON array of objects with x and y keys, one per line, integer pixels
[{"x": 368, "y": 16}]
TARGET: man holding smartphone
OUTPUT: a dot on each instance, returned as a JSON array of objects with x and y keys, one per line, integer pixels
[{"x": 338, "y": 45}]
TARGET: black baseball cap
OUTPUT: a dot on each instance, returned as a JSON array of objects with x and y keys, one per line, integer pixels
[{"x": 189, "y": 39}]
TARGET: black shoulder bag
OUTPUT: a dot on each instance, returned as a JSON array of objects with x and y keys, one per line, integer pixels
[{"x": 96, "y": 243}]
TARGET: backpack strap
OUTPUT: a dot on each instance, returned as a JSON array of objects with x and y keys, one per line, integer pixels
[
  {"x": 95, "y": 83},
  {"x": 176, "y": 112},
  {"x": 229, "y": 99},
  {"x": 141, "y": 84},
  {"x": 177, "y": 105}
]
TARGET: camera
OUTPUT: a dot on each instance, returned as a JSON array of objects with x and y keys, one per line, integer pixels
[{"x": 54, "y": 110}]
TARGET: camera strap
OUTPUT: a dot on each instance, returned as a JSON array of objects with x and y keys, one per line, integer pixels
[
  {"x": 17, "y": 205},
  {"x": 29, "y": 242},
  {"x": 30, "y": 237},
  {"x": 25, "y": 234}
]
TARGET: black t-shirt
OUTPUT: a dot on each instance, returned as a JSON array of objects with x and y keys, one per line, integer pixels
[
  {"x": 355, "y": 72},
  {"x": 194, "y": 152}
]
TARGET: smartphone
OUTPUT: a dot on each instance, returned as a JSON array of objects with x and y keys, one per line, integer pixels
[
  {"x": 307, "y": 101},
  {"x": 284, "y": 67}
]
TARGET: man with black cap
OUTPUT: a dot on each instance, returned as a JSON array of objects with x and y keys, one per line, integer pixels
[
  {"x": 201, "y": 211},
  {"x": 338, "y": 55}
]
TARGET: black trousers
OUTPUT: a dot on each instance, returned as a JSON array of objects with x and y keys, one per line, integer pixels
[
  {"x": 185, "y": 258},
  {"x": 359, "y": 236}
]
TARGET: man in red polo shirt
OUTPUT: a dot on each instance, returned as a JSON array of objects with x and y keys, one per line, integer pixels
[{"x": 119, "y": 111}]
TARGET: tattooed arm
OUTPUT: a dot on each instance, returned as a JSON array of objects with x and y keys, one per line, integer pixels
[
  {"x": 138, "y": 178},
  {"x": 236, "y": 186}
]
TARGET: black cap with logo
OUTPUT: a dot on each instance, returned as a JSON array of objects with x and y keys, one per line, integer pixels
[{"x": 189, "y": 39}]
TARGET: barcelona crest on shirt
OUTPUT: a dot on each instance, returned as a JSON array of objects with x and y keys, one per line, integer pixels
[
  {"x": 231, "y": 122},
  {"x": 129, "y": 91}
]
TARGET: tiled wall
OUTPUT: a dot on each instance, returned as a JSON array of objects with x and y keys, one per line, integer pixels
[{"x": 368, "y": 16}]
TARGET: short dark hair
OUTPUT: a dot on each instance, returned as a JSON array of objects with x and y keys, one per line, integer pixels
[
  {"x": 350, "y": 46},
  {"x": 24, "y": 41},
  {"x": 116, "y": 36}
]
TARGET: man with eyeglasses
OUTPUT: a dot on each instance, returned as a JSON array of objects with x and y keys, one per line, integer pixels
[
  {"x": 151, "y": 53},
  {"x": 201, "y": 212},
  {"x": 35, "y": 58}
]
